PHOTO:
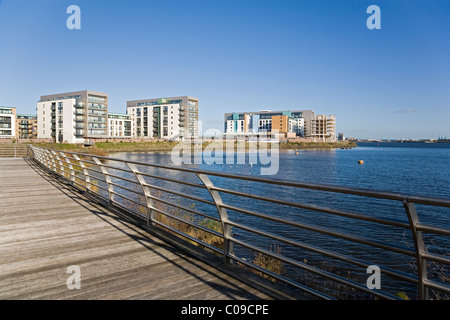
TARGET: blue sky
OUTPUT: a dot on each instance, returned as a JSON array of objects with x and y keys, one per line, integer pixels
[{"x": 244, "y": 55}]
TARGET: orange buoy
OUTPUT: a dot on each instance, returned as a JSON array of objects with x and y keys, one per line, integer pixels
[{"x": 361, "y": 162}]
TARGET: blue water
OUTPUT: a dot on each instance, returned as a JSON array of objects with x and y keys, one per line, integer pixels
[{"x": 408, "y": 168}]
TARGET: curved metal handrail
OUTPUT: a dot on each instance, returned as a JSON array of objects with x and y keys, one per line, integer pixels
[{"x": 96, "y": 176}]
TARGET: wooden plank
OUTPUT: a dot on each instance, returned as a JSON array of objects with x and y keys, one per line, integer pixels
[{"x": 46, "y": 226}]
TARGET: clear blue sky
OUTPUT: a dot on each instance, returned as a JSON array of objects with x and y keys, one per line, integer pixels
[{"x": 243, "y": 55}]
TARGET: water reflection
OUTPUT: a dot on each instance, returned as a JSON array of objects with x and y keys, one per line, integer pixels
[{"x": 407, "y": 171}]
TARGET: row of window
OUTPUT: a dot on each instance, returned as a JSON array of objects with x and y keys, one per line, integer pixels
[
  {"x": 6, "y": 111},
  {"x": 5, "y": 133},
  {"x": 154, "y": 103},
  {"x": 6, "y": 119},
  {"x": 96, "y": 99}
]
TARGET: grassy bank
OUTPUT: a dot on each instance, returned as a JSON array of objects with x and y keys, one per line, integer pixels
[
  {"x": 317, "y": 145},
  {"x": 102, "y": 148}
]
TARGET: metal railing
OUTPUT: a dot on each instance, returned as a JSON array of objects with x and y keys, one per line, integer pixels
[
  {"x": 13, "y": 150},
  {"x": 259, "y": 224}
]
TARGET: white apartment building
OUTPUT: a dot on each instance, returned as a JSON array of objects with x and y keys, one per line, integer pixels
[
  {"x": 236, "y": 126},
  {"x": 57, "y": 120},
  {"x": 298, "y": 126},
  {"x": 73, "y": 117},
  {"x": 120, "y": 125},
  {"x": 250, "y": 123},
  {"x": 264, "y": 125},
  {"x": 164, "y": 118},
  {"x": 302, "y": 123},
  {"x": 7, "y": 122}
]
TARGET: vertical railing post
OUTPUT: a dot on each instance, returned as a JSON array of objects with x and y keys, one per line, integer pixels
[
  {"x": 419, "y": 247},
  {"x": 58, "y": 159},
  {"x": 107, "y": 179},
  {"x": 31, "y": 153},
  {"x": 72, "y": 171},
  {"x": 52, "y": 161},
  {"x": 147, "y": 193},
  {"x": 47, "y": 159},
  {"x": 41, "y": 156},
  {"x": 227, "y": 229},
  {"x": 29, "y": 150},
  {"x": 87, "y": 178},
  {"x": 52, "y": 157},
  {"x": 38, "y": 155},
  {"x": 42, "y": 159}
]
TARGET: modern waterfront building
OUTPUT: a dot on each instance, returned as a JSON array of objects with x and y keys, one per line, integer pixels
[
  {"x": 323, "y": 128},
  {"x": 26, "y": 126},
  {"x": 297, "y": 123},
  {"x": 173, "y": 118},
  {"x": 7, "y": 122},
  {"x": 120, "y": 125},
  {"x": 265, "y": 121},
  {"x": 73, "y": 117}
]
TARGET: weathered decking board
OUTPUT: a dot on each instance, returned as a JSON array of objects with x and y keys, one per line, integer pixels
[{"x": 46, "y": 227}]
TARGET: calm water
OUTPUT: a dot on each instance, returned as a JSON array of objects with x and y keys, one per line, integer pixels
[
  {"x": 407, "y": 168},
  {"x": 411, "y": 168}
]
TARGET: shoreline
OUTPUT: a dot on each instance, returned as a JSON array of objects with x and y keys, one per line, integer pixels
[{"x": 102, "y": 148}]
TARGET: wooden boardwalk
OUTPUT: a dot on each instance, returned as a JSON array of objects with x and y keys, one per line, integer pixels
[{"x": 46, "y": 226}]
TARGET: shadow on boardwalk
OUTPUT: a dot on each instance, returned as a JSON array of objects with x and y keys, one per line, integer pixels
[{"x": 48, "y": 226}]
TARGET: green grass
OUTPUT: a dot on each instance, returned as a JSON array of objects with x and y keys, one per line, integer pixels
[
  {"x": 318, "y": 145},
  {"x": 58, "y": 146},
  {"x": 102, "y": 148},
  {"x": 136, "y": 146}
]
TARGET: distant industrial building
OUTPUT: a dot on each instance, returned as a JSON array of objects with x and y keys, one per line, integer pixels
[{"x": 173, "y": 118}]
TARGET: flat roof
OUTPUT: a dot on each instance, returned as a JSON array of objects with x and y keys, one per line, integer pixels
[
  {"x": 118, "y": 114},
  {"x": 166, "y": 98},
  {"x": 268, "y": 111},
  {"x": 68, "y": 95},
  {"x": 26, "y": 115}
]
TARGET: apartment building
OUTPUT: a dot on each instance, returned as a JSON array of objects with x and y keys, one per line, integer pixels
[
  {"x": 7, "y": 122},
  {"x": 120, "y": 125},
  {"x": 73, "y": 117},
  {"x": 323, "y": 128},
  {"x": 26, "y": 126},
  {"x": 265, "y": 121},
  {"x": 174, "y": 118},
  {"x": 286, "y": 125},
  {"x": 299, "y": 123}
]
